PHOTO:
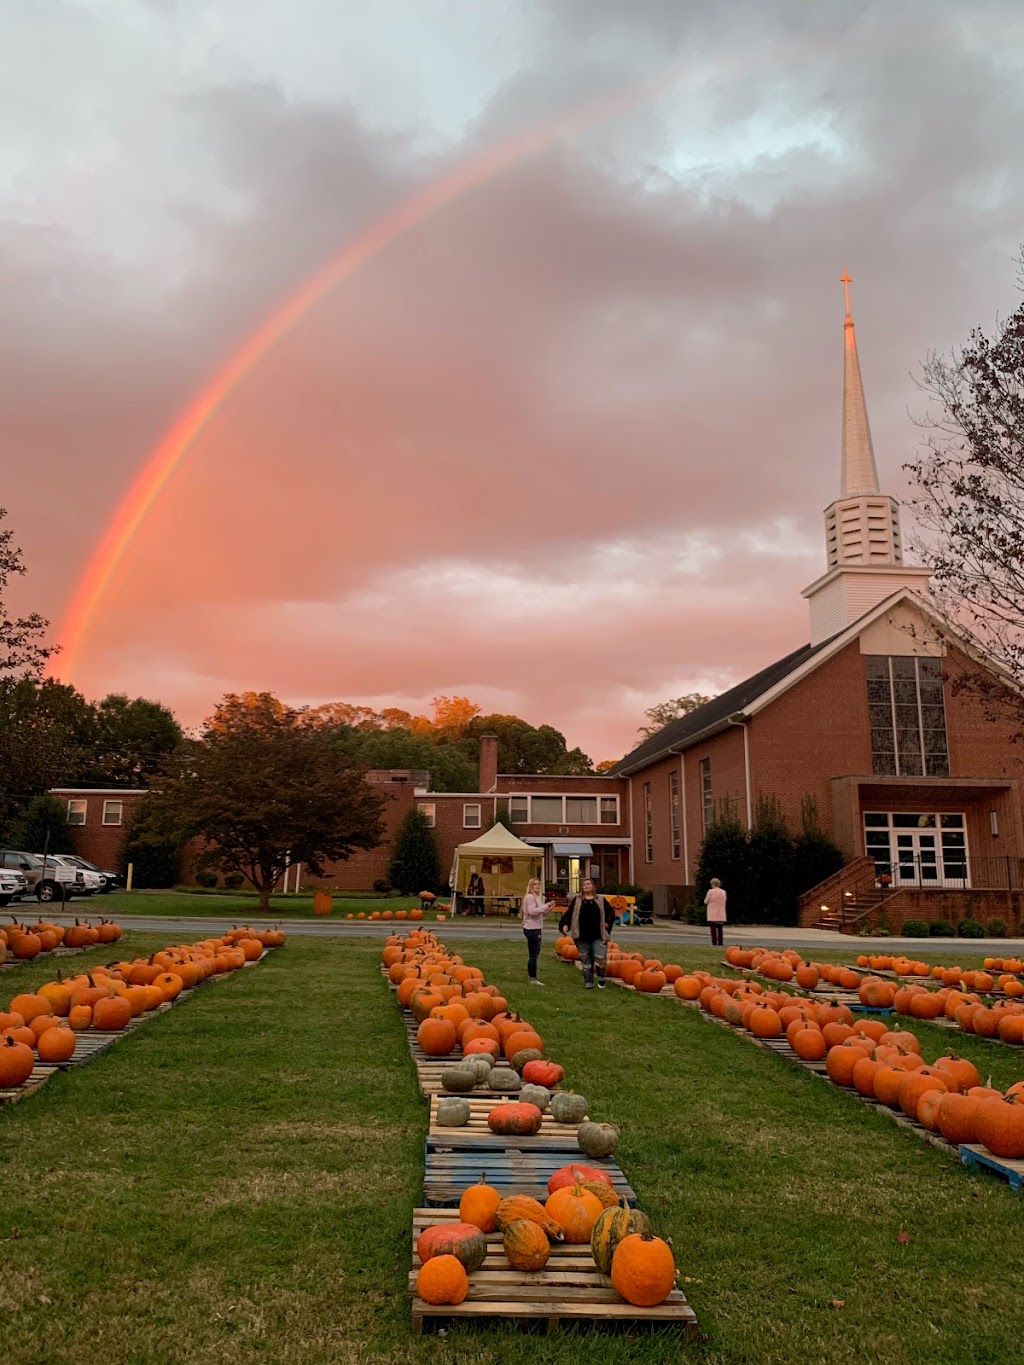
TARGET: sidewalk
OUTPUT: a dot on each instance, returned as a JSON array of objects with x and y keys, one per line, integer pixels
[{"x": 785, "y": 936}]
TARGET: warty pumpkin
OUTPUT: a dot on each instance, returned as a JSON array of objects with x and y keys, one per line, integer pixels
[
  {"x": 526, "y": 1245},
  {"x": 524, "y": 1206},
  {"x": 614, "y": 1224},
  {"x": 567, "y": 1107},
  {"x": 479, "y": 1205},
  {"x": 567, "y": 1175},
  {"x": 597, "y": 1140},
  {"x": 515, "y": 1120},
  {"x": 442, "y": 1279},
  {"x": 643, "y": 1269},
  {"x": 462, "y": 1240},
  {"x": 503, "y": 1079},
  {"x": 542, "y": 1072},
  {"x": 523, "y": 1058}
]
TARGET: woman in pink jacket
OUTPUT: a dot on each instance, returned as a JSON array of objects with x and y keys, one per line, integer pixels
[
  {"x": 535, "y": 907},
  {"x": 715, "y": 902}
]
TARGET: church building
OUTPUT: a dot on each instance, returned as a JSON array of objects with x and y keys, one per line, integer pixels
[{"x": 920, "y": 789}]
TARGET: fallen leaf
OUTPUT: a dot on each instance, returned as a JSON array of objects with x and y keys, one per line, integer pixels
[
  {"x": 45, "y": 1299},
  {"x": 903, "y": 1238},
  {"x": 837, "y": 1303}
]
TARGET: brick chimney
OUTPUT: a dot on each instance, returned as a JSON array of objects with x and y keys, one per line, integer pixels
[{"x": 488, "y": 763}]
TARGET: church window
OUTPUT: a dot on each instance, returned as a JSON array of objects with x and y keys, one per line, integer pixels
[{"x": 907, "y": 716}]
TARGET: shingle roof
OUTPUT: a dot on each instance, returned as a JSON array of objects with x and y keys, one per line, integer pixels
[{"x": 714, "y": 712}]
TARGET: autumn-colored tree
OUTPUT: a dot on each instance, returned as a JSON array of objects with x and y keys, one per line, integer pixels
[
  {"x": 265, "y": 786},
  {"x": 452, "y": 716}
]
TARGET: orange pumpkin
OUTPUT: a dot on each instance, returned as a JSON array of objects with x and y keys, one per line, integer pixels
[
  {"x": 575, "y": 1210},
  {"x": 643, "y": 1269}
]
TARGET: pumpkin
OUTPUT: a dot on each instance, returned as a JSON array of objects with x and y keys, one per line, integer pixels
[
  {"x": 479, "y": 1205},
  {"x": 809, "y": 1043},
  {"x": 567, "y": 1107},
  {"x": 603, "y": 1192},
  {"x": 650, "y": 982},
  {"x": 1001, "y": 1126},
  {"x": 481, "y": 1047},
  {"x": 453, "y": 1113},
  {"x": 442, "y": 1279},
  {"x": 80, "y": 1017},
  {"x": 535, "y": 1094},
  {"x": 502, "y": 1078},
  {"x": 958, "y": 1117},
  {"x": 597, "y": 1140},
  {"x": 567, "y": 1175},
  {"x": 575, "y": 1210},
  {"x": 458, "y": 1079},
  {"x": 542, "y": 1072},
  {"x": 521, "y": 1040},
  {"x": 463, "y": 1240},
  {"x": 524, "y": 1206},
  {"x": 515, "y": 1120},
  {"x": 524, "y": 1057},
  {"x": 643, "y": 1269},
  {"x": 28, "y": 1006},
  {"x": 915, "y": 1084},
  {"x": 962, "y": 1073},
  {"x": 111, "y": 1012},
  {"x": 436, "y": 1037},
  {"x": 321, "y": 903},
  {"x": 16, "y": 1063},
  {"x": 479, "y": 1063},
  {"x": 526, "y": 1245},
  {"x": 617, "y": 1222}
]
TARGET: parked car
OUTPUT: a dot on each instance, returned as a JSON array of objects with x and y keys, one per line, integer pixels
[
  {"x": 50, "y": 883},
  {"x": 93, "y": 882},
  {"x": 112, "y": 881},
  {"x": 13, "y": 885}
]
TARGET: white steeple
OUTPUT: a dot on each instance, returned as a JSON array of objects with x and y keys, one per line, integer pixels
[{"x": 863, "y": 545}]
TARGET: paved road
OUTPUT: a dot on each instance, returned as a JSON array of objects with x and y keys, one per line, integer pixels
[{"x": 661, "y": 932}]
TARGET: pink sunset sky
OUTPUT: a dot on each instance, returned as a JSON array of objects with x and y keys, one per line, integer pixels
[{"x": 562, "y": 448}]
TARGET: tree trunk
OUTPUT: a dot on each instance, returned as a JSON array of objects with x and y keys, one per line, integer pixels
[{"x": 264, "y": 901}]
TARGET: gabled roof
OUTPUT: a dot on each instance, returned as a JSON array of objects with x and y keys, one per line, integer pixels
[
  {"x": 751, "y": 696},
  {"x": 713, "y": 714}
]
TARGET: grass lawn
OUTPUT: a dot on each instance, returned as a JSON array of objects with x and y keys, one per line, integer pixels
[
  {"x": 122, "y": 904},
  {"x": 234, "y": 1181}
]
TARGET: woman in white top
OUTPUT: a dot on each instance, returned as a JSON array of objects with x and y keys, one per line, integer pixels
[
  {"x": 535, "y": 907},
  {"x": 715, "y": 902}
]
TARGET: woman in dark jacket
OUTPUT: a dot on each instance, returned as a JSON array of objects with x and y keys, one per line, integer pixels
[
  {"x": 588, "y": 918},
  {"x": 475, "y": 895}
]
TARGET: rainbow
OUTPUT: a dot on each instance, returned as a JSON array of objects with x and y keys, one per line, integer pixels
[
  {"x": 168, "y": 456},
  {"x": 161, "y": 464}
]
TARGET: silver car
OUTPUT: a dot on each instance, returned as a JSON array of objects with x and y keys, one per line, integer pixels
[{"x": 13, "y": 885}]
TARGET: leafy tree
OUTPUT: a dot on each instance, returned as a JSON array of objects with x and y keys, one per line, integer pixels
[
  {"x": 452, "y": 766},
  {"x": 815, "y": 855},
  {"x": 667, "y": 711},
  {"x": 134, "y": 739},
  {"x": 22, "y": 648},
  {"x": 525, "y": 748},
  {"x": 153, "y": 848},
  {"x": 723, "y": 854},
  {"x": 970, "y": 498},
  {"x": 771, "y": 887},
  {"x": 43, "y": 827},
  {"x": 416, "y": 859},
  {"x": 264, "y": 786}
]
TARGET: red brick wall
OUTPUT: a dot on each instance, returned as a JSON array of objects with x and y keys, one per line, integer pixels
[{"x": 99, "y": 843}]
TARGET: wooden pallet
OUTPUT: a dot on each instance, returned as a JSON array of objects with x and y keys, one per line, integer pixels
[
  {"x": 477, "y": 1131},
  {"x": 40, "y": 1075},
  {"x": 568, "y": 1289},
  {"x": 512, "y": 1170},
  {"x": 429, "y": 1069},
  {"x": 40, "y": 957},
  {"x": 974, "y": 1154}
]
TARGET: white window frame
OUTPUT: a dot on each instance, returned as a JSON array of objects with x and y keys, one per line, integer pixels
[
  {"x": 598, "y": 797},
  {"x": 77, "y": 806},
  {"x": 525, "y": 802},
  {"x": 467, "y": 823},
  {"x": 429, "y": 809},
  {"x": 120, "y": 812},
  {"x": 707, "y": 805}
]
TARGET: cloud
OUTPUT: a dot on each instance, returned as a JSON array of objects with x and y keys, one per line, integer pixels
[{"x": 562, "y": 447}]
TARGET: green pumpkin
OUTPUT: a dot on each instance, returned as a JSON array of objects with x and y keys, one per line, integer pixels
[
  {"x": 458, "y": 1079},
  {"x": 524, "y": 1055},
  {"x": 536, "y": 1094},
  {"x": 612, "y": 1225},
  {"x": 503, "y": 1078},
  {"x": 453, "y": 1113},
  {"x": 597, "y": 1140},
  {"x": 567, "y": 1107},
  {"x": 479, "y": 1063}
]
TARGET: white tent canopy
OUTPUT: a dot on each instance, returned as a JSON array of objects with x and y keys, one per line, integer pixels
[{"x": 504, "y": 862}]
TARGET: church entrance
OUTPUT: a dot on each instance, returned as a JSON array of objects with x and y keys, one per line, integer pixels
[{"x": 918, "y": 849}]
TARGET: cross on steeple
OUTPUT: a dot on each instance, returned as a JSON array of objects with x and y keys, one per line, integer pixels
[{"x": 846, "y": 279}]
